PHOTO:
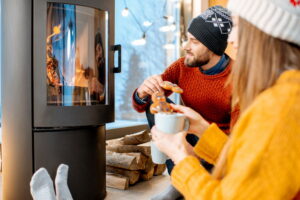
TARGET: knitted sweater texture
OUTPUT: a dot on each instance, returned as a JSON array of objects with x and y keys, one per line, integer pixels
[
  {"x": 263, "y": 158},
  {"x": 206, "y": 94}
]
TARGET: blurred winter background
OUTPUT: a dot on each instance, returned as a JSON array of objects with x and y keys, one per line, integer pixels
[{"x": 149, "y": 32}]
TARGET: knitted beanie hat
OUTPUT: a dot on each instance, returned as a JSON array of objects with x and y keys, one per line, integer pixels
[
  {"x": 211, "y": 28},
  {"x": 278, "y": 18}
]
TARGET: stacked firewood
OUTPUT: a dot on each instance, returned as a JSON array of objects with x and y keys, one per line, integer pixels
[{"x": 128, "y": 160}]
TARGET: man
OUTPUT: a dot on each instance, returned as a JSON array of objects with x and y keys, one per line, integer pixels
[{"x": 202, "y": 74}]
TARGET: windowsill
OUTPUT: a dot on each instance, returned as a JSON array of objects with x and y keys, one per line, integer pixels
[
  {"x": 123, "y": 123},
  {"x": 120, "y": 128}
]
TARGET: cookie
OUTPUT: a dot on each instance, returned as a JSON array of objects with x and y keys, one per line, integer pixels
[
  {"x": 167, "y": 85},
  {"x": 177, "y": 89}
]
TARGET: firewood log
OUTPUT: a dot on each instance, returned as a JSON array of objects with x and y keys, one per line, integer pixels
[
  {"x": 130, "y": 161},
  {"x": 121, "y": 160},
  {"x": 117, "y": 181},
  {"x": 140, "y": 159},
  {"x": 149, "y": 165},
  {"x": 159, "y": 169},
  {"x": 133, "y": 176},
  {"x": 119, "y": 141},
  {"x": 148, "y": 175},
  {"x": 137, "y": 138},
  {"x": 129, "y": 148},
  {"x": 148, "y": 172}
]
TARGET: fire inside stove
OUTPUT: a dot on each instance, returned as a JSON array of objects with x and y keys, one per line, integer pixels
[{"x": 76, "y": 52}]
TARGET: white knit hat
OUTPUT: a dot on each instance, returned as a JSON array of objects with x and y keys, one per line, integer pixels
[{"x": 278, "y": 18}]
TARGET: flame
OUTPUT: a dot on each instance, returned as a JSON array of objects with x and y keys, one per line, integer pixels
[{"x": 56, "y": 31}]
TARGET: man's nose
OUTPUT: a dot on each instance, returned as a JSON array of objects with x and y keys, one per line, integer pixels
[{"x": 185, "y": 45}]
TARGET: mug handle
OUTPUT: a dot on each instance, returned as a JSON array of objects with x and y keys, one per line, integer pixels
[{"x": 186, "y": 124}]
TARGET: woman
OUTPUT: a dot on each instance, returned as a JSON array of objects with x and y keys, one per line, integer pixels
[{"x": 260, "y": 160}]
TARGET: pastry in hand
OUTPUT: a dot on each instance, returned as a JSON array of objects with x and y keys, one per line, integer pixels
[
  {"x": 177, "y": 89},
  {"x": 160, "y": 104},
  {"x": 167, "y": 85}
]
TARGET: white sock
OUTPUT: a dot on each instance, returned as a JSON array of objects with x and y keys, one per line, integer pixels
[
  {"x": 41, "y": 186},
  {"x": 61, "y": 183},
  {"x": 170, "y": 193}
]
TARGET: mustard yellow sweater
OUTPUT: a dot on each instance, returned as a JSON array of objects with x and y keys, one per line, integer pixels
[{"x": 263, "y": 161}]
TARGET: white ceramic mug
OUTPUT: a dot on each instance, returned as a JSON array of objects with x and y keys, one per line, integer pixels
[{"x": 170, "y": 124}]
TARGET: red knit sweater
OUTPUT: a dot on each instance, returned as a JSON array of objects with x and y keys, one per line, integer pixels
[{"x": 206, "y": 94}]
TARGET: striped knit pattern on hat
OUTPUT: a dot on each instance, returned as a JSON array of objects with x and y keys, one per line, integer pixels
[
  {"x": 211, "y": 28},
  {"x": 278, "y": 18}
]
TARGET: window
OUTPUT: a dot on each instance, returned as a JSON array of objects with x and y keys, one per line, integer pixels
[
  {"x": 0, "y": 72},
  {"x": 149, "y": 34}
]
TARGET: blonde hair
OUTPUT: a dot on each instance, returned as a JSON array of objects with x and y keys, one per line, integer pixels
[{"x": 261, "y": 59}]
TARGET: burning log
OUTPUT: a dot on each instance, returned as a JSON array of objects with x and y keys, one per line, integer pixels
[
  {"x": 52, "y": 63},
  {"x": 52, "y": 76}
]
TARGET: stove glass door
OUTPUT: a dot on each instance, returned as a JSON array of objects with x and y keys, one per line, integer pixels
[{"x": 76, "y": 55}]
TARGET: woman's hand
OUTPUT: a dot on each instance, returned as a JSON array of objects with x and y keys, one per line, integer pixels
[
  {"x": 174, "y": 146},
  {"x": 197, "y": 123}
]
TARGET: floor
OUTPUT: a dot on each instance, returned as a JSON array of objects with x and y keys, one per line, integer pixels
[{"x": 141, "y": 191}]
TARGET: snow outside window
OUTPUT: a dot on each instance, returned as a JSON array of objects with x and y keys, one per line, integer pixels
[{"x": 149, "y": 34}]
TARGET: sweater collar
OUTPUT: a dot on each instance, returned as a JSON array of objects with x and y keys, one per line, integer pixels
[
  {"x": 218, "y": 68},
  {"x": 289, "y": 76}
]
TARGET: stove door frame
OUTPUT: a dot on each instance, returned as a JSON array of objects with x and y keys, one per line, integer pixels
[{"x": 68, "y": 116}]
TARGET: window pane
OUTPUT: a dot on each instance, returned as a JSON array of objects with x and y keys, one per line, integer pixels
[
  {"x": 0, "y": 67},
  {"x": 0, "y": 72},
  {"x": 158, "y": 22}
]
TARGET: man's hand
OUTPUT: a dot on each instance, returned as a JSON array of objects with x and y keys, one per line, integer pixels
[{"x": 150, "y": 86}]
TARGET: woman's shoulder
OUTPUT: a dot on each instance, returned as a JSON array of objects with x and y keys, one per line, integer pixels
[
  {"x": 283, "y": 96},
  {"x": 276, "y": 106}
]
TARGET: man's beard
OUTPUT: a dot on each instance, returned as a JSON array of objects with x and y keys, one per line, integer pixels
[{"x": 196, "y": 62}]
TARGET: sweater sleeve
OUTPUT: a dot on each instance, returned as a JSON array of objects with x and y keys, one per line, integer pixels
[
  {"x": 172, "y": 73},
  {"x": 262, "y": 163},
  {"x": 193, "y": 181},
  {"x": 211, "y": 144},
  {"x": 139, "y": 107}
]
